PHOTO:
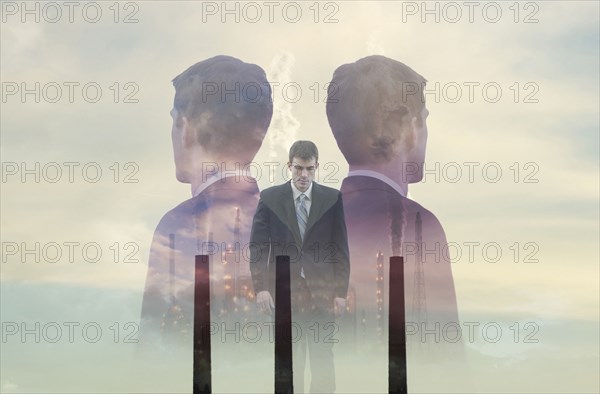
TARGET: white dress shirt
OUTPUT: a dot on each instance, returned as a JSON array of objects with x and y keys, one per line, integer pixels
[
  {"x": 210, "y": 180},
  {"x": 308, "y": 193},
  {"x": 307, "y": 203}
]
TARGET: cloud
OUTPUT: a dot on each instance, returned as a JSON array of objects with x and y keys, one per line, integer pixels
[{"x": 284, "y": 125}]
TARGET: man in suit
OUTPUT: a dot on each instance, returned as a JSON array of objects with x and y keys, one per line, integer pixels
[
  {"x": 222, "y": 110},
  {"x": 378, "y": 117},
  {"x": 304, "y": 220}
]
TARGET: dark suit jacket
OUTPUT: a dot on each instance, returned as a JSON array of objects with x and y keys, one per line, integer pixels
[
  {"x": 189, "y": 224},
  {"x": 380, "y": 220},
  {"x": 167, "y": 311},
  {"x": 323, "y": 254}
]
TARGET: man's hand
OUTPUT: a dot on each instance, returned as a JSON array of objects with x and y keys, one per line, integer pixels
[
  {"x": 265, "y": 302},
  {"x": 339, "y": 306}
]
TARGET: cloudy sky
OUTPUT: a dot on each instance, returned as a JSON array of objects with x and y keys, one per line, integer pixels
[{"x": 92, "y": 91}]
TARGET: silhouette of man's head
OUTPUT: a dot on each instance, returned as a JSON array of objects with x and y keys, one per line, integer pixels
[
  {"x": 221, "y": 112},
  {"x": 376, "y": 110}
]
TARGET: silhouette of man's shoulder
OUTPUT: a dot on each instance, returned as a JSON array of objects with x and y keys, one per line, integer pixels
[
  {"x": 178, "y": 216},
  {"x": 367, "y": 195},
  {"x": 218, "y": 194},
  {"x": 428, "y": 218}
]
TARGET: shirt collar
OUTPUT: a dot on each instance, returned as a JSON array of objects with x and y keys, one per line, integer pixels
[
  {"x": 209, "y": 181},
  {"x": 380, "y": 176},
  {"x": 297, "y": 193}
]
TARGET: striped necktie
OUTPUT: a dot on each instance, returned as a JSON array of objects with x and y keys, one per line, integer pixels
[{"x": 301, "y": 214}]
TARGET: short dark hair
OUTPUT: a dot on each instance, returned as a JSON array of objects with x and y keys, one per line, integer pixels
[
  {"x": 228, "y": 102},
  {"x": 369, "y": 103},
  {"x": 304, "y": 150}
]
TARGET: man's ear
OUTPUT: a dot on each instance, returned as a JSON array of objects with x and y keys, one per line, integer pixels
[{"x": 188, "y": 134}]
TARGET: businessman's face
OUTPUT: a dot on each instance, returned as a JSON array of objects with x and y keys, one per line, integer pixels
[
  {"x": 417, "y": 154},
  {"x": 303, "y": 172},
  {"x": 178, "y": 149}
]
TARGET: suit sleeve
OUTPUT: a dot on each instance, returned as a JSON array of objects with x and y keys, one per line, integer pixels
[
  {"x": 340, "y": 238},
  {"x": 260, "y": 247}
]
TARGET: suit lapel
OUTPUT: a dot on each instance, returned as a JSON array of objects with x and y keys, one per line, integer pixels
[
  {"x": 316, "y": 207},
  {"x": 287, "y": 204}
]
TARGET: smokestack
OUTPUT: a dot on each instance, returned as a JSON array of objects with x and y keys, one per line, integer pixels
[
  {"x": 284, "y": 382},
  {"x": 202, "y": 360},
  {"x": 397, "y": 329}
]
